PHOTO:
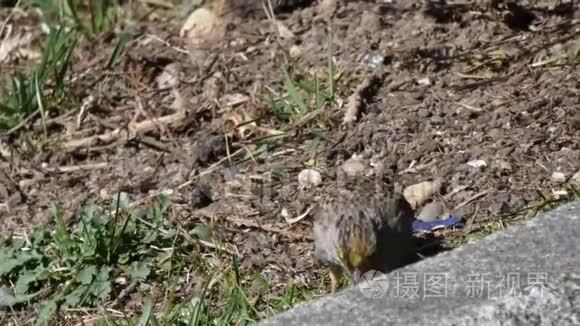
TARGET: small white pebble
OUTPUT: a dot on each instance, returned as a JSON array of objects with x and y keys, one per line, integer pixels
[
  {"x": 309, "y": 178},
  {"x": 558, "y": 176},
  {"x": 121, "y": 280},
  {"x": 477, "y": 163},
  {"x": 576, "y": 177},
  {"x": 504, "y": 165},
  {"x": 355, "y": 167},
  {"x": 424, "y": 81},
  {"x": 559, "y": 193},
  {"x": 295, "y": 51},
  {"x": 285, "y": 213}
]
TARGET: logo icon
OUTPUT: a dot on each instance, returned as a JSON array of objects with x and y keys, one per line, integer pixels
[{"x": 373, "y": 285}]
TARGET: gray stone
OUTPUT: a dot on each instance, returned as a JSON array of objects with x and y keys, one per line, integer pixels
[
  {"x": 431, "y": 211},
  {"x": 6, "y": 294},
  {"x": 539, "y": 262}
]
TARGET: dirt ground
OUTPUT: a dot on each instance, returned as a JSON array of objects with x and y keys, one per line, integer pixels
[{"x": 458, "y": 83}]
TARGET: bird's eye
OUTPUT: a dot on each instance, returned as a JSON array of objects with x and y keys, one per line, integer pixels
[{"x": 340, "y": 253}]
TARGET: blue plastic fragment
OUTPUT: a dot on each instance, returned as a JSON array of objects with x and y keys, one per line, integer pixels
[{"x": 449, "y": 223}]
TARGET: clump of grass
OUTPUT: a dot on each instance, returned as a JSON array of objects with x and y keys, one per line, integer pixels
[
  {"x": 566, "y": 56},
  {"x": 301, "y": 105},
  {"x": 80, "y": 267},
  {"x": 27, "y": 94},
  {"x": 76, "y": 267},
  {"x": 576, "y": 50},
  {"x": 232, "y": 304},
  {"x": 45, "y": 87},
  {"x": 92, "y": 18},
  {"x": 304, "y": 96}
]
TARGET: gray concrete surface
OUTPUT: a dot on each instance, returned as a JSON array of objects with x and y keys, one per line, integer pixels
[{"x": 526, "y": 275}]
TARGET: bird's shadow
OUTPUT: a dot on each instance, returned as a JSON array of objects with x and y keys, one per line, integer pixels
[{"x": 430, "y": 246}]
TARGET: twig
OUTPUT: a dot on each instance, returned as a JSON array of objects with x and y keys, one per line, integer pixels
[
  {"x": 89, "y": 320},
  {"x": 142, "y": 110},
  {"x": 472, "y": 198},
  {"x": 412, "y": 168},
  {"x": 163, "y": 147},
  {"x": 162, "y": 128},
  {"x": 272, "y": 228},
  {"x": 158, "y": 3},
  {"x": 5, "y": 22},
  {"x": 125, "y": 292},
  {"x": 355, "y": 101},
  {"x": 177, "y": 49},
  {"x": 283, "y": 31},
  {"x": 544, "y": 62},
  {"x": 471, "y": 220},
  {"x": 478, "y": 77},
  {"x": 75, "y": 168},
  {"x": 22, "y": 123},
  {"x": 299, "y": 217},
  {"x": 177, "y": 120},
  {"x": 208, "y": 244},
  {"x": 456, "y": 190},
  {"x": 307, "y": 118},
  {"x": 469, "y": 107},
  {"x": 151, "y": 142},
  {"x": 227, "y": 148},
  {"x": 87, "y": 104}
]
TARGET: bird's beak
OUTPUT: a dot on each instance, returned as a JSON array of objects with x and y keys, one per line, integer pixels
[{"x": 356, "y": 275}]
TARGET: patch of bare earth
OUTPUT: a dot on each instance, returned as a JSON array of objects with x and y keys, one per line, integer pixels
[{"x": 459, "y": 83}]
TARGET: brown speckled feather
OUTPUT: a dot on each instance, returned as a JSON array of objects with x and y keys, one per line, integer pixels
[{"x": 356, "y": 216}]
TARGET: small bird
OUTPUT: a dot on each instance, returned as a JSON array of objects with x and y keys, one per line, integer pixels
[{"x": 359, "y": 227}]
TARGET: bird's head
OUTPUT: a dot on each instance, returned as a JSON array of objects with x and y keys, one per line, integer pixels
[{"x": 355, "y": 250}]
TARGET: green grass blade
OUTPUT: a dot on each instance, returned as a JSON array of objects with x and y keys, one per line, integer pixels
[
  {"x": 40, "y": 104},
  {"x": 294, "y": 93},
  {"x": 62, "y": 235},
  {"x": 65, "y": 64},
  {"x": 317, "y": 97},
  {"x": 147, "y": 312},
  {"x": 70, "y": 5},
  {"x": 124, "y": 38},
  {"x": 330, "y": 66}
]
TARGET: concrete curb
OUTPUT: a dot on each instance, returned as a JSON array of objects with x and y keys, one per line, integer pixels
[{"x": 526, "y": 275}]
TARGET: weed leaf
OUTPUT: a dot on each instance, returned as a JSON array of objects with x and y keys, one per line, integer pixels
[
  {"x": 87, "y": 274},
  {"x": 139, "y": 271}
]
